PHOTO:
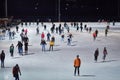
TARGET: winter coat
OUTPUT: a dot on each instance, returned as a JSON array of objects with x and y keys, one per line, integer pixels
[
  {"x": 2, "y": 56},
  {"x": 15, "y": 70},
  {"x": 96, "y": 53},
  {"x": 51, "y": 43},
  {"x": 77, "y": 62}
]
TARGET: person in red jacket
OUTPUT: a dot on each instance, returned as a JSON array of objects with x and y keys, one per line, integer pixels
[
  {"x": 77, "y": 64},
  {"x": 42, "y": 35},
  {"x": 16, "y": 71}
]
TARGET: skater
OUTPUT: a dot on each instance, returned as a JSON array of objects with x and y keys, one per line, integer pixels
[
  {"x": 37, "y": 30},
  {"x": 2, "y": 58},
  {"x": 17, "y": 28},
  {"x": 51, "y": 45},
  {"x": 77, "y": 64},
  {"x": 62, "y": 37},
  {"x": 104, "y": 53},
  {"x": 16, "y": 71},
  {"x": 90, "y": 29},
  {"x": 81, "y": 28},
  {"x": 96, "y": 54},
  {"x": 69, "y": 41},
  {"x": 20, "y": 48},
  {"x": 12, "y": 50},
  {"x": 42, "y": 35},
  {"x": 43, "y": 43},
  {"x": 26, "y": 40},
  {"x": 44, "y": 27},
  {"x": 59, "y": 29},
  {"x": 77, "y": 29},
  {"x": 96, "y": 31},
  {"x": 94, "y": 36},
  {"x": 25, "y": 31},
  {"x": 106, "y": 32},
  {"x": 48, "y": 36}
]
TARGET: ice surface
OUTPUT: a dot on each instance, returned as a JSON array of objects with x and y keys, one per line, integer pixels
[{"x": 58, "y": 64}]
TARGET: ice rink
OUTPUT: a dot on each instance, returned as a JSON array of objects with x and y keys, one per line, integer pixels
[{"x": 58, "y": 64}]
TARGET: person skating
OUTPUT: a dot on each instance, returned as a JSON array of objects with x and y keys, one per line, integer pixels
[
  {"x": 106, "y": 32},
  {"x": 90, "y": 29},
  {"x": 2, "y": 58},
  {"x": 37, "y": 30},
  {"x": 96, "y": 31},
  {"x": 77, "y": 64},
  {"x": 26, "y": 40},
  {"x": 62, "y": 37},
  {"x": 96, "y": 54},
  {"x": 42, "y": 35},
  {"x": 16, "y": 71},
  {"x": 43, "y": 43},
  {"x": 48, "y": 36},
  {"x": 94, "y": 36},
  {"x": 104, "y": 53},
  {"x": 20, "y": 47},
  {"x": 51, "y": 45},
  {"x": 12, "y": 50},
  {"x": 17, "y": 28}
]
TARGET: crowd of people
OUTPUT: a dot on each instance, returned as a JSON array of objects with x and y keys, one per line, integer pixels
[{"x": 24, "y": 42}]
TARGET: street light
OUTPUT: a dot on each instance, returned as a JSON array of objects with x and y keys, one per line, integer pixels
[
  {"x": 59, "y": 13},
  {"x": 6, "y": 15}
]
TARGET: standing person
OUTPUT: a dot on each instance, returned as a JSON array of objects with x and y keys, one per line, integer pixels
[
  {"x": 48, "y": 36},
  {"x": 106, "y": 32},
  {"x": 44, "y": 27},
  {"x": 81, "y": 28},
  {"x": 20, "y": 48},
  {"x": 2, "y": 58},
  {"x": 26, "y": 31},
  {"x": 77, "y": 64},
  {"x": 16, "y": 71},
  {"x": 104, "y": 53},
  {"x": 17, "y": 28},
  {"x": 42, "y": 35},
  {"x": 96, "y": 54},
  {"x": 43, "y": 43},
  {"x": 69, "y": 41},
  {"x": 37, "y": 30},
  {"x": 11, "y": 50},
  {"x": 62, "y": 37},
  {"x": 94, "y": 36},
  {"x": 51, "y": 45},
  {"x": 90, "y": 29},
  {"x": 77, "y": 28},
  {"x": 26, "y": 40},
  {"x": 96, "y": 31}
]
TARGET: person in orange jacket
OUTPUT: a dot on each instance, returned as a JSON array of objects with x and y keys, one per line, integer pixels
[{"x": 77, "y": 64}]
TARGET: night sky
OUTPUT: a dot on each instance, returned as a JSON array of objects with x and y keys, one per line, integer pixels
[{"x": 70, "y": 9}]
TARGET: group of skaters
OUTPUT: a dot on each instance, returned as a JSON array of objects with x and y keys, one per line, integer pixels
[
  {"x": 96, "y": 54},
  {"x": 43, "y": 41},
  {"x": 77, "y": 60},
  {"x": 7, "y": 32},
  {"x": 51, "y": 39}
]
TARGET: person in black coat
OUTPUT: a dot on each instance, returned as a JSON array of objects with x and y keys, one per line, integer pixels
[
  {"x": 96, "y": 54},
  {"x": 20, "y": 48},
  {"x": 2, "y": 58},
  {"x": 16, "y": 71}
]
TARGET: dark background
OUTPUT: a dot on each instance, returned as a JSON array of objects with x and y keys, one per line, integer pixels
[{"x": 71, "y": 10}]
